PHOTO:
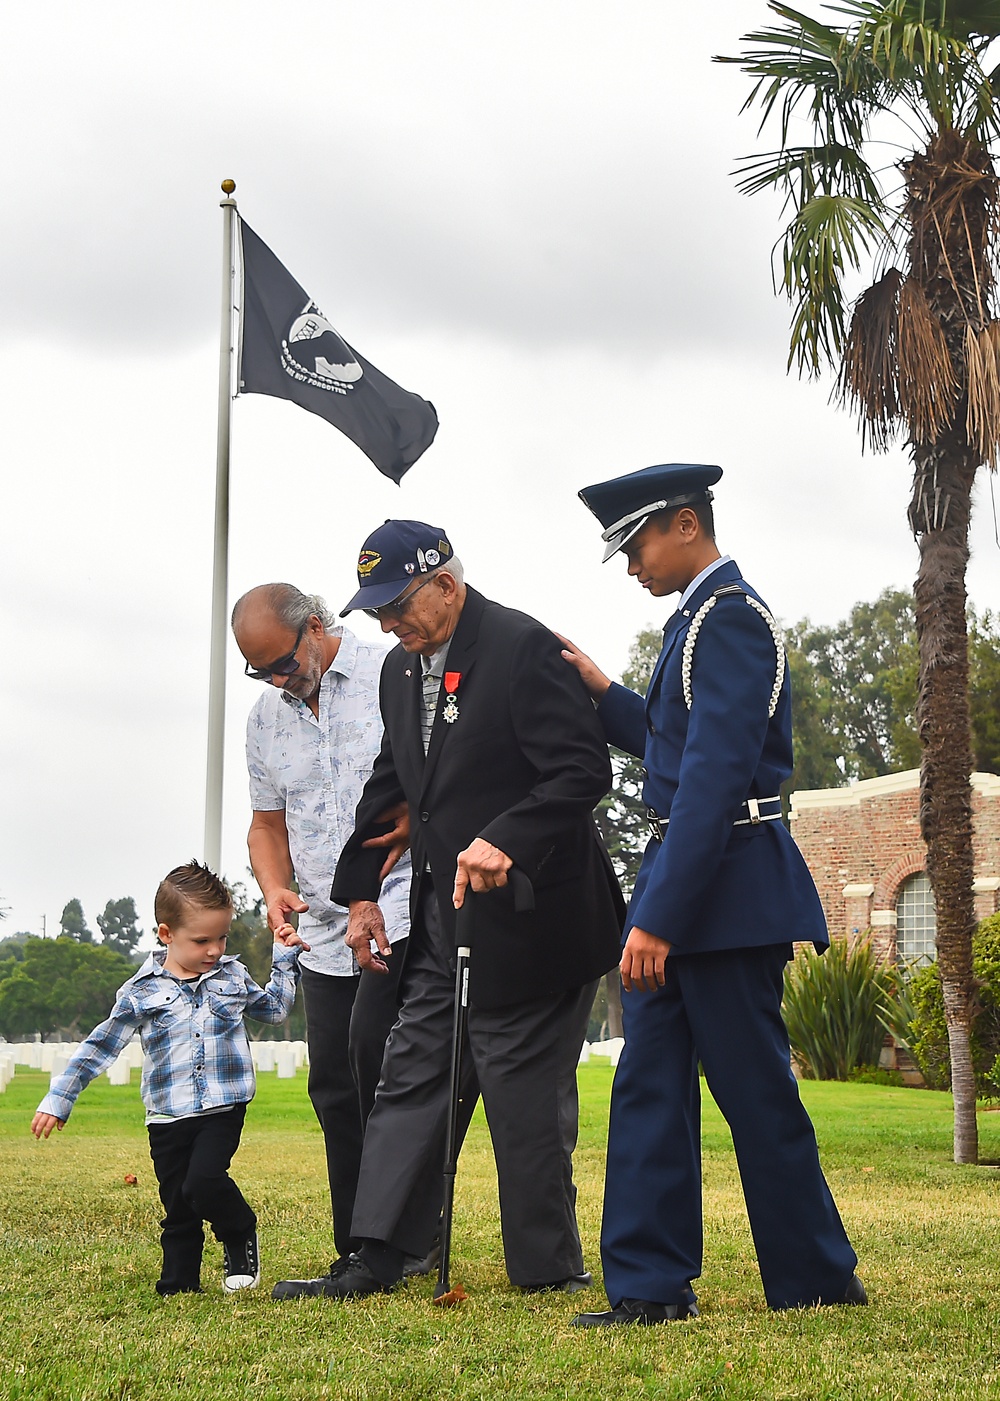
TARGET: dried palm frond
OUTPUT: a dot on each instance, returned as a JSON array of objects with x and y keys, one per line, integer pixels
[
  {"x": 927, "y": 384},
  {"x": 983, "y": 389},
  {"x": 868, "y": 372}
]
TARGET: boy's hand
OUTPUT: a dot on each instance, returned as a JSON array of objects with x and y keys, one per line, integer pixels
[
  {"x": 289, "y": 938},
  {"x": 43, "y": 1124}
]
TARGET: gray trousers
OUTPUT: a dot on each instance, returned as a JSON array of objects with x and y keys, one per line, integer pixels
[{"x": 523, "y": 1059}]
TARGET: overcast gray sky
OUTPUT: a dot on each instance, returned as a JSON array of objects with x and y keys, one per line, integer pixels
[{"x": 524, "y": 212}]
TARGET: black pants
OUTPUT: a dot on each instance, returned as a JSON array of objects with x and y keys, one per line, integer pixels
[
  {"x": 191, "y": 1159},
  {"x": 348, "y": 1021},
  {"x": 523, "y": 1058}
]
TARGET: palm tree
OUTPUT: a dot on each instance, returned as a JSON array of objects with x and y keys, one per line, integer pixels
[{"x": 919, "y": 354}]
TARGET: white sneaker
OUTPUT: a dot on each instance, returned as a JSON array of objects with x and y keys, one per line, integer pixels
[{"x": 241, "y": 1265}]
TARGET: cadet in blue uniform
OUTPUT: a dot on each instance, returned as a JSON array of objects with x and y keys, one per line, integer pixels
[{"x": 721, "y": 894}]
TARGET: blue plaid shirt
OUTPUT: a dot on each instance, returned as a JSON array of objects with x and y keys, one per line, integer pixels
[{"x": 198, "y": 1054}]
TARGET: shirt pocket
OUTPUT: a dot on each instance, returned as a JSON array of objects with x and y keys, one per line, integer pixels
[{"x": 226, "y": 1007}]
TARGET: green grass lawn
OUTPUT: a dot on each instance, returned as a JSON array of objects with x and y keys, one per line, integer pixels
[{"x": 79, "y": 1255}]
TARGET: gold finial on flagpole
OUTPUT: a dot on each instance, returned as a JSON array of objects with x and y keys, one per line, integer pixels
[{"x": 228, "y": 187}]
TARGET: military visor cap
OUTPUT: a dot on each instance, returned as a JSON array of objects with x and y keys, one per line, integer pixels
[
  {"x": 392, "y": 557},
  {"x": 624, "y": 504}
]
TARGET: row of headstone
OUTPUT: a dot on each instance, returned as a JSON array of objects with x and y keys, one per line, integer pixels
[
  {"x": 285, "y": 1057},
  {"x": 7, "y": 1063},
  {"x": 596, "y": 1050}
]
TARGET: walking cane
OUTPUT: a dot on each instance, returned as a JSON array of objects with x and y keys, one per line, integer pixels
[{"x": 524, "y": 900}]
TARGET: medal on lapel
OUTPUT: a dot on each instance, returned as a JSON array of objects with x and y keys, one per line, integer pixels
[{"x": 451, "y": 680}]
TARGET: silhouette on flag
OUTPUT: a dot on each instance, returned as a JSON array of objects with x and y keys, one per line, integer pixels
[{"x": 289, "y": 350}]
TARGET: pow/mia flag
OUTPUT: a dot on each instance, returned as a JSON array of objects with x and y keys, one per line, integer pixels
[{"x": 288, "y": 349}]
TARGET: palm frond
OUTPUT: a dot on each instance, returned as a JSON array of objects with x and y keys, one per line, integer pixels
[
  {"x": 868, "y": 374},
  {"x": 826, "y": 236},
  {"x": 982, "y": 373},
  {"x": 927, "y": 383}
]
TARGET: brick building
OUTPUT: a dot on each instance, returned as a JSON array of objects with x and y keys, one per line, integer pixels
[{"x": 863, "y": 846}]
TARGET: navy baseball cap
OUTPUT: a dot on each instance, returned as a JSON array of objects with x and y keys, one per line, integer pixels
[
  {"x": 624, "y": 504},
  {"x": 392, "y": 557}
]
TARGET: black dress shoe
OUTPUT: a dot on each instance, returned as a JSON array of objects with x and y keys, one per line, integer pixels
[
  {"x": 635, "y": 1311},
  {"x": 422, "y": 1264},
  {"x": 305, "y": 1288},
  {"x": 571, "y": 1285}
]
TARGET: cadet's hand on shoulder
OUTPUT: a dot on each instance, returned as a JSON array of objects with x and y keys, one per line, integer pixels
[
  {"x": 398, "y": 840},
  {"x": 593, "y": 677},
  {"x": 643, "y": 962},
  {"x": 482, "y": 866},
  {"x": 365, "y": 926},
  {"x": 43, "y": 1124}
]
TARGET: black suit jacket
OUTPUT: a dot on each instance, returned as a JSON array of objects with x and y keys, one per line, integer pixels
[{"x": 522, "y": 766}]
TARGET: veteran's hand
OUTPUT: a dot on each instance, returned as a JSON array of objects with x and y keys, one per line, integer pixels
[
  {"x": 398, "y": 840},
  {"x": 482, "y": 866},
  {"x": 643, "y": 962},
  {"x": 593, "y": 677},
  {"x": 365, "y": 926}
]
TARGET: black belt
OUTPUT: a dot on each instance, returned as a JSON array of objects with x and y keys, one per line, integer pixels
[{"x": 752, "y": 807}]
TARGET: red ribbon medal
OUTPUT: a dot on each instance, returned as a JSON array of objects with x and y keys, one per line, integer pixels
[{"x": 451, "y": 680}]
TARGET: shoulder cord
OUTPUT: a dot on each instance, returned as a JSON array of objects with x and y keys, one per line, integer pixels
[{"x": 692, "y": 637}]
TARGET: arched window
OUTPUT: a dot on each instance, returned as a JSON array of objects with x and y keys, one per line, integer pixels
[{"x": 916, "y": 921}]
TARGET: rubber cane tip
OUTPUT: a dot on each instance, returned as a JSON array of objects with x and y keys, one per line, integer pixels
[
  {"x": 453, "y": 1297},
  {"x": 228, "y": 187}
]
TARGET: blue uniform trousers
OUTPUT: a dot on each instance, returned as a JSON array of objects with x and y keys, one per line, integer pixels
[{"x": 723, "y": 1009}]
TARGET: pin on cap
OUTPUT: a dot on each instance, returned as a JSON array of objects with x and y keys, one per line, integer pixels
[
  {"x": 624, "y": 504},
  {"x": 392, "y": 557}
]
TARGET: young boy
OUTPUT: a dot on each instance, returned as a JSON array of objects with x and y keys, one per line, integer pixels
[{"x": 187, "y": 1002}]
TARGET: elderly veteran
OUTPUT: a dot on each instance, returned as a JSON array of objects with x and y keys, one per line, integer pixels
[
  {"x": 721, "y": 894},
  {"x": 494, "y": 745},
  {"x": 312, "y": 737}
]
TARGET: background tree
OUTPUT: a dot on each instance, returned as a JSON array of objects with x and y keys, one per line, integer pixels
[
  {"x": 59, "y": 985},
  {"x": 73, "y": 924},
  {"x": 119, "y": 926},
  {"x": 920, "y": 354},
  {"x": 854, "y": 693}
]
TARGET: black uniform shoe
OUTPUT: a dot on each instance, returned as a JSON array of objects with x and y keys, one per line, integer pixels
[
  {"x": 853, "y": 1294},
  {"x": 302, "y": 1288},
  {"x": 635, "y": 1311},
  {"x": 571, "y": 1285},
  {"x": 241, "y": 1268}
]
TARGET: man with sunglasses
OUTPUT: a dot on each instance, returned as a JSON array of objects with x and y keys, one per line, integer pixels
[
  {"x": 495, "y": 747},
  {"x": 312, "y": 738}
]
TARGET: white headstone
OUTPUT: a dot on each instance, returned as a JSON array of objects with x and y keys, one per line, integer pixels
[
  {"x": 264, "y": 1055},
  {"x": 57, "y": 1064},
  {"x": 286, "y": 1061},
  {"x": 120, "y": 1072},
  {"x": 584, "y": 1053}
]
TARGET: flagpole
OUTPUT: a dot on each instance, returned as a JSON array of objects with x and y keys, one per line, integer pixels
[{"x": 220, "y": 563}]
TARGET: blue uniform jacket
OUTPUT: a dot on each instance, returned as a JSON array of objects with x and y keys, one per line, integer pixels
[{"x": 709, "y": 885}]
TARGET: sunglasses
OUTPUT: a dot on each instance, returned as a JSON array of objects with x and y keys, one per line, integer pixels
[
  {"x": 397, "y": 609},
  {"x": 284, "y": 666}
]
